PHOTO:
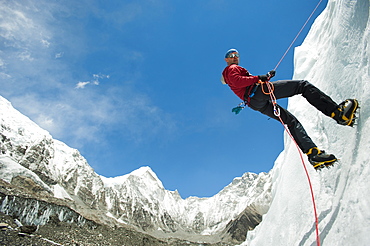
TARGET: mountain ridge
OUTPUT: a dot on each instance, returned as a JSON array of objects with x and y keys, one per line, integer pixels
[{"x": 138, "y": 199}]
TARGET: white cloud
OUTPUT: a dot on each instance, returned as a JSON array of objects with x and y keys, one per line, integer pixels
[
  {"x": 59, "y": 55},
  {"x": 4, "y": 75},
  {"x": 2, "y": 63},
  {"x": 95, "y": 81},
  {"x": 45, "y": 43},
  {"x": 25, "y": 56},
  {"x": 46, "y": 121},
  {"x": 35, "y": 35},
  {"x": 81, "y": 85},
  {"x": 98, "y": 77}
]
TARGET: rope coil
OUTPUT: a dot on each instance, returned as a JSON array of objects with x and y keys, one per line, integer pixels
[{"x": 270, "y": 88}]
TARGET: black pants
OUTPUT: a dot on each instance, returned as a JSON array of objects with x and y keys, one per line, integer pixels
[{"x": 287, "y": 88}]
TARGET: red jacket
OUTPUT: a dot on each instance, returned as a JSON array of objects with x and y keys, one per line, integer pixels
[{"x": 239, "y": 79}]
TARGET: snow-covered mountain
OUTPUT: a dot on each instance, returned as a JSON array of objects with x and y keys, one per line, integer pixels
[
  {"x": 335, "y": 57},
  {"x": 137, "y": 199}
]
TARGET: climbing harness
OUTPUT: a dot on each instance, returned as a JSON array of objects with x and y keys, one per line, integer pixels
[
  {"x": 270, "y": 92},
  {"x": 243, "y": 104}
]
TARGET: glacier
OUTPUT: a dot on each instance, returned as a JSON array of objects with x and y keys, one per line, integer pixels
[{"x": 335, "y": 57}]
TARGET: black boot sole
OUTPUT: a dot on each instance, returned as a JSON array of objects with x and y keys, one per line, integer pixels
[{"x": 321, "y": 165}]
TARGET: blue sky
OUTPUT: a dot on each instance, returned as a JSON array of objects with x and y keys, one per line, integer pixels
[{"x": 136, "y": 83}]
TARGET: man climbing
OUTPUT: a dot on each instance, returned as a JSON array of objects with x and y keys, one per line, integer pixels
[{"x": 252, "y": 90}]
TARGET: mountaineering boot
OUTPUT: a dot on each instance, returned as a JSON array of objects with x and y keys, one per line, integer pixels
[
  {"x": 319, "y": 159},
  {"x": 345, "y": 113}
]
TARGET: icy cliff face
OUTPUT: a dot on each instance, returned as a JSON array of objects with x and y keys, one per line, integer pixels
[
  {"x": 334, "y": 57},
  {"x": 29, "y": 155}
]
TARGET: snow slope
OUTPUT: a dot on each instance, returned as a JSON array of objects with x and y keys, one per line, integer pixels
[
  {"x": 138, "y": 198},
  {"x": 334, "y": 57}
]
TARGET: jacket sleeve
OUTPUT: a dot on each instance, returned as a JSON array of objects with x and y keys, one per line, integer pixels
[{"x": 237, "y": 77}]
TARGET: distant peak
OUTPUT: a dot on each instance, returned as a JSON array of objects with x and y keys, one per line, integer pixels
[
  {"x": 142, "y": 170},
  {"x": 146, "y": 172}
]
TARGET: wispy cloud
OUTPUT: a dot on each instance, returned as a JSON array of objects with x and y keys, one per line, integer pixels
[
  {"x": 81, "y": 85},
  {"x": 95, "y": 81},
  {"x": 43, "y": 55},
  {"x": 59, "y": 55}
]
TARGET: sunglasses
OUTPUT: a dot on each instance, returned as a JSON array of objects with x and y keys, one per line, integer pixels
[{"x": 232, "y": 55}]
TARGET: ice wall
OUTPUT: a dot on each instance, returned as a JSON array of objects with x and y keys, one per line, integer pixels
[{"x": 334, "y": 57}]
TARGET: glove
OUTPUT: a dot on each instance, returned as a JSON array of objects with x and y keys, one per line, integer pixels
[
  {"x": 237, "y": 109},
  {"x": 263, "y": 78},
  {"x": 271, "y": 73},
  {"x": 268, "y": 76}
]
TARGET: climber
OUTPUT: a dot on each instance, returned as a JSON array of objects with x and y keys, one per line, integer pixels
[{"x": 251, "y": 89}]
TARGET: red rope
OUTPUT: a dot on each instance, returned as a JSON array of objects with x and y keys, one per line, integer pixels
[
  {"x": 270, "y": 92},
  {"x": 309, "y": 183},
  {"x": 277, "y": 114},
  {"x": 290, "y": 46}
]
